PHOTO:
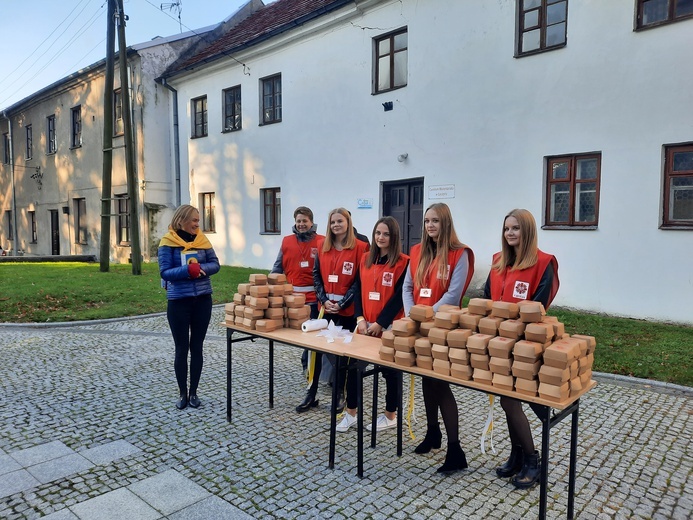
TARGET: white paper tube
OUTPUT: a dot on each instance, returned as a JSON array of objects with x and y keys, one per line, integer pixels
[{"x": 311, "y": 325}]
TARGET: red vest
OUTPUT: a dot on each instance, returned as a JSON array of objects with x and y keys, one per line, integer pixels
[
  {"x": 517, "y": 285},
  {"x": 338, "y": 270},
  {"x": 380, "y": 279},
  {"x": 298, "y": 259},
  {"x": 438, "y": 286}
]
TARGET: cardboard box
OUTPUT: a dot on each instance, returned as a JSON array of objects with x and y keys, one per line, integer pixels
[
  {"x": 524, "y": 370},
  {"x": 504, "y": 382},
  {"x": 228, "y": 308},
  {"x": 259, "y": 291},
  {"x": 404, "y": 327},
  {"x": 256, "y": 302},
  {"x": 527, "y": 386},
  {"x": 441, "y": 367},
  {"x": 575, "y": 386},
  {"x": 458, "y": 355},
  {"x": 512, "y": 329},
  {"x": 558, "y": 328},
  {"x": 484, "y": 377},
  {"x": 480, "y": 306},
  {"x": 265, "y": 325},
  {"x": 553, "y": 375},
  {"x": 423, "y": 347},
  {"x": 591, "y": 342},
  {"x": 479, "y": 361},
  {"x": 252, "y": 313},
  {"x": 421, "y": 313},
  {"x": 438, "y": 336},
  {"x": 463, "y": 372},
  {"x": 276, "y": 290},
  {"x": 276, "y": 301},
  {"x": 276, "y": 278},
  {"x": 539, "y": 332},
  {"x": 299, "y": 313},
  {"x": 440, "y": 352},
  {"x": 425, "y": 362},
  {"x": 586, "y": 363},
  {"x": 274, "y": 313},
  {"x": 469, "y": 321},
  {"x": 404, "y": 343},
  {"x": 296, "y": 324},
  {"x": 244, "y": 288},
  {"x": 585, "y": 378},
  {"x": 388, "y": 338},
  {"x": 407, "y": 359},
  {"x": 531, "y": 312},
  {"x": 425, "y": 326},
  {"x": 527, "y": 351},
  {"x": 238, "y": 321},
  {"x": 555, "y": 393},
  {"x": 294, "y": 300},
  {"x": 561, "y": 353},
  {"x": 446, "y": 307},
  {"x": 258, "y": 279},
  {"x": 489, "y": 325},
  {"x": 387, "y": 353},
  {"x": 478, "y": 343},
  {"x": 249, "y": 323},
  {"x": 574, "y": 369},
  {"x": 458, "y": 337},
  {"x": 501, "y": 347},
  {"x": 505, "y": 310},
  {"x": 239, "y": 299},
  {"x": 502, "y": 366},
  {"x": 446, "y": 320},
  {"x": 239, "y": 310}
]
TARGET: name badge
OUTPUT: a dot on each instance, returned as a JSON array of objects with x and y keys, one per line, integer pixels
[
  {"x": 304, "y": 263},
  {"x": 425, "y": 293},
  {"x": 374, "y": 295},
  {"x": 333, "y": 278}
]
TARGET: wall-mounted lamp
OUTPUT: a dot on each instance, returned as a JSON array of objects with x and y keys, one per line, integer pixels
[{"x": 402, "y": 157}]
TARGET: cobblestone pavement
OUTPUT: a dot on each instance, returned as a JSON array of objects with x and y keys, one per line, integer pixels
[{"x": 89, "y": 429}]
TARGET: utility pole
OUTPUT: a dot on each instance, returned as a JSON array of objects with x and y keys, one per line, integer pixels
[
  {"x": 133, "y": 187},
  {"x": 107, "y": 141}
]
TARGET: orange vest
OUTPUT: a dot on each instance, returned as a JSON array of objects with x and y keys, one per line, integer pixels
[
  {"x": 437, "y": 285},
  {"x": 338, "y": 270},
  {"x": 380, "y": 279},
  {"x": 517, "y": 285},
  {"x": 298, "y": 259}
]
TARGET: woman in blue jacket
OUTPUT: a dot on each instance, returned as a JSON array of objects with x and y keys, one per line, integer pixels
[{"x": 186, "y": 261}]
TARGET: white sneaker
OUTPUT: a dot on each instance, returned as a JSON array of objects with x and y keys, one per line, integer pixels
[
  {"x": 347, "y": 422},
  {"x": 383, "y": 423}
]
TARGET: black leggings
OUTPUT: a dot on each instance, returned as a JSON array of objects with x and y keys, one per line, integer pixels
[
  {"x": 189, "y": 319},
  {"x": 518, "y": 425},
  {"x": 437, "y": 394},
  {"x": 348, "y": 323},
  {"x": 390, "y": 387}
]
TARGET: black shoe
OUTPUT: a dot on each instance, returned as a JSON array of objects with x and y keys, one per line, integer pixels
[
  {"x": 194, "y": 401},
  {"x": 309, "y": 402},
  {"x": 512, "y": 465},
  {"x": 455, "y": 459},
  {"x": 182, "y": 401},
  {"x": 530, "y": 472},
  {"x": 431, "y": 441},
  {"x": 341, "y": 403}
]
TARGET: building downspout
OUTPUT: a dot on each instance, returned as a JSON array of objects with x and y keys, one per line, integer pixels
[
  {"x": 176, "y": 139},
  {"x": 14, "y": 189}
]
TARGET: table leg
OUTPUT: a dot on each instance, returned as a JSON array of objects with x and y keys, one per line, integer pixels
[
  {"x": 374, "y": 413},
  {"x": 544, "y": 415},
  {"x": 333, "y": 411},
  {"x": 359, "y": 422},
  {"x": 229, "y": 335},
  {"x": 271, "y": 373},
  {"x": 573, "y": 459},
  {"x": 400, "y": 413}
]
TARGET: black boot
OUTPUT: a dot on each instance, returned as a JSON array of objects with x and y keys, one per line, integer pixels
[
  {"x": 309, "y": 402},
  {"x": 341, "y": 403},
  {"x": 530, "y": 472},
  {"x": 455, "y": 459},
  {"x": 431, "y": 440},
  {"x": 182, "y": 400},
  {"x": 512, "y": 465}
]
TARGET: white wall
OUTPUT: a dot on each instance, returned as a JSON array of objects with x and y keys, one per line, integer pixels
[{"x": 471, "y": 115}]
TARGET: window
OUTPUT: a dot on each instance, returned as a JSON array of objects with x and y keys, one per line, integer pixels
[
  {"x": 207, "y": 205},
  {"x": 272, "y": 99},
  {"x": 118, "y": 125},
  {"x": 76, "y": 119},
  {"x": 199, "y": 117},
  {"x": 123, "y": 206},
  {"x": 678, "y": 186},
  {"x": 80, "y": 221},
  {"x": 658, "y": 12},
  {"x": 541, "y": 25},
  {"x": 29, "y": 142},
  {"x": 6, "y": 148},
  {"x": 232, "y": 109},
  {"x": 271, "y": 210},
  {"x": 572, "y": 190},
  {"x": 32, "y": 223},
  {"x": 51, "y": 143},
  {"x": 391, "y": 61},
  {"x": 8, "y": 223}
]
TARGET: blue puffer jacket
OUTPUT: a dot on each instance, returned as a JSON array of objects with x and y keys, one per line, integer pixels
[{"x": 178, "y": 283}]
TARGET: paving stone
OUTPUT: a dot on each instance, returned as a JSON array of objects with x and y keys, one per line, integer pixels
[
  {"x": 115, "y": 505},
  {"x": 15, "y": 482},
  {"x": 169, "y": 492},
  {"x": 61, "y": 467},
  {"x": 8, "y": 464},
  {"x": 109, "y": 452},
  {"x": 41, "y": 453}
]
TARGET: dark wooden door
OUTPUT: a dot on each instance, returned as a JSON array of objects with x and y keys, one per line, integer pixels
[
  {"x": 55, "y": 232},
  {"x": 403, "y": 200}
]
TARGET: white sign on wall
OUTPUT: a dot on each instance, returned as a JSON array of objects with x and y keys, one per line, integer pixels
[
  {"x": 364, "y": 203},
  {"x": 441, "y": 191}
]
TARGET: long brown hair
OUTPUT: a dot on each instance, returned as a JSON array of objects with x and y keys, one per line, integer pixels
[
  {"x": 527, "y": 251},
  {"x": 349, "y": 240},
  {"x": 394, "y": 250},
  {"x": 437, "y": 251}
]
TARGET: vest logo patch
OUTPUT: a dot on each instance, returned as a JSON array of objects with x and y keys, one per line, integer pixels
[
  {"x": 388, "y": 278},
  {"x": 313, "y": 252},
  {"x": 348, "y": 268},
  {"x": 521, "y": 290}
]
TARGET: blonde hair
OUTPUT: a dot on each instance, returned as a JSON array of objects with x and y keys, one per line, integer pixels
[
  {"x": 394, "y": 250},
  {"x": 437, "y": 251},
  {"x": 182, "y": 215},
  {"x": 349, "y": 239},
  {"x": 527, "y": 249}
]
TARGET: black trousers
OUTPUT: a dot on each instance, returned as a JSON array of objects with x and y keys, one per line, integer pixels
[
  {"x": 348, "y": 323},
  {"x": 189, "y": 320}
]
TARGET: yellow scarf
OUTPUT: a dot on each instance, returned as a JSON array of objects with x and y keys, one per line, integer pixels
[{"x": 172, "y": 239}]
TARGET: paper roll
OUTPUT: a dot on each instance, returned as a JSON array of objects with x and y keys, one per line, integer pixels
[{"x": 312, "y": 325}]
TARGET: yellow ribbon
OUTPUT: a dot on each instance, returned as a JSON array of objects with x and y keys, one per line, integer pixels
[
  {"x": 311, "y": 356},
  {"x": 488, "y": 427}
]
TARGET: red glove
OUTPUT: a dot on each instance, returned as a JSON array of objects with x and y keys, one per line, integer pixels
[{"x": 194, "y": 270}]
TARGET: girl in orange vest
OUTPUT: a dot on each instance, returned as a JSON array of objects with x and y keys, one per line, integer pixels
[
  {"x": 377, "y": 304},
  {"x": 335, "y": 270},
  {"x": 440, "y": 270},
  {"x": 520, "y": 271}
]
